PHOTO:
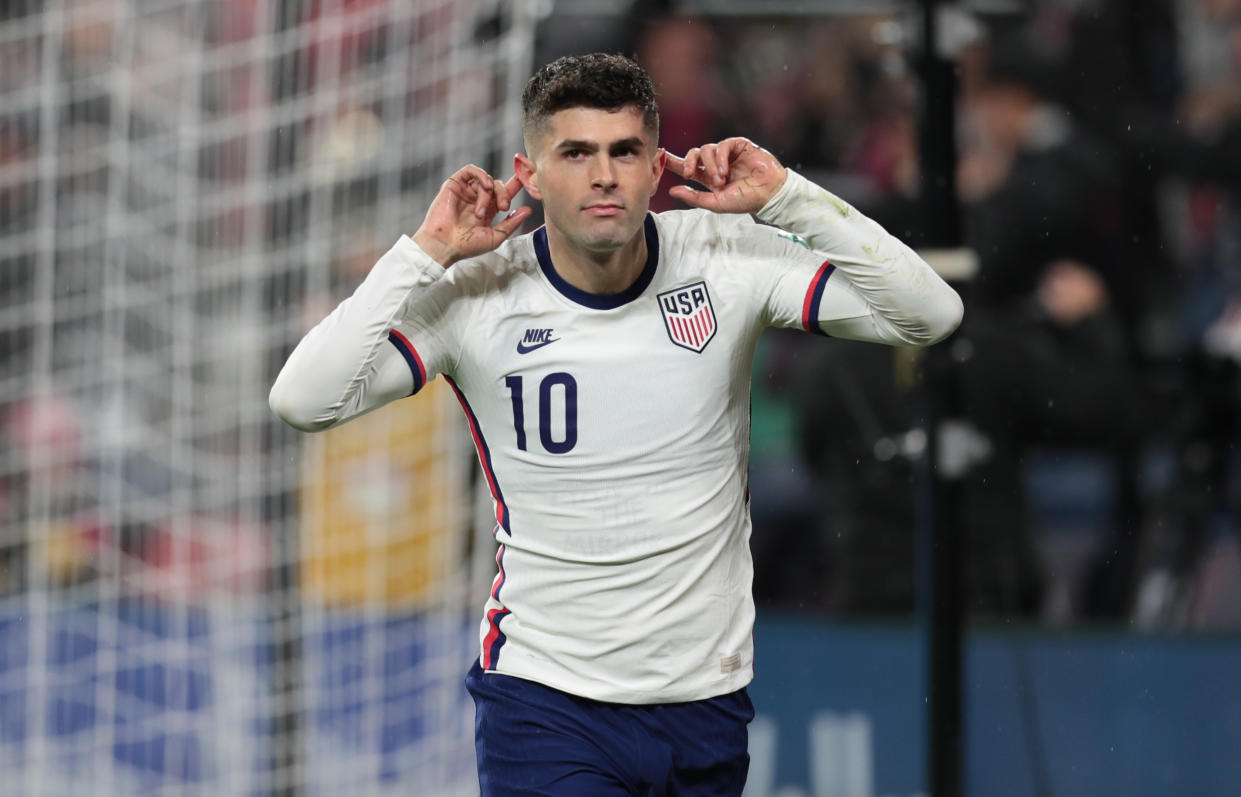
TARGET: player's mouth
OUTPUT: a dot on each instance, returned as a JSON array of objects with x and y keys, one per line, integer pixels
[{"x": 604, "y": 209}]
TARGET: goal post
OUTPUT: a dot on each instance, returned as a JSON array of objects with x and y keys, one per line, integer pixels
[{"x": 195, "y": 599}]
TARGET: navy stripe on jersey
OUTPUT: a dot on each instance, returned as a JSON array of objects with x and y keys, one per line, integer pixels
[
  {"x": 601, "y": 301},
  {"x": 814, "y": 297},
  {"x": 412, "y": 359},
  {"x": 495, "y": 638},
  {"x": 484, "y": 456}
]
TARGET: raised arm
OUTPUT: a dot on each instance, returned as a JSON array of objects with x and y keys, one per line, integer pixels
[
  {"x": 906, "y": 301},
  {"x": 352, "y": 362}
]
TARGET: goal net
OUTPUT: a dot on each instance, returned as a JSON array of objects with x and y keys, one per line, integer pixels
[{"x": 195, "y": 599}]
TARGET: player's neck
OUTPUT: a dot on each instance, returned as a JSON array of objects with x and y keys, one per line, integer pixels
[{"x": 597, "y": 272}]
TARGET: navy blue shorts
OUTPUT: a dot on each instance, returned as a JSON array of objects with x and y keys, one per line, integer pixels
[{"x": 535, "y": 740}]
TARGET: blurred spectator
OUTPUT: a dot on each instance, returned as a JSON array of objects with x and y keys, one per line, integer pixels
[
  {"x": 45, "y": 438},
  {"x": 1043, "y": 358},
  {"x": 681, "y": 56},
  {"x": 1033, "y": 184},
  {"x": 17, "y": 192},
  {"x": 886, "y": 155},
  {"x": 1053, "y": 372},
  {"x": 815, "y": 89},
  {"x": 1189, "y": 144},
  {"x": 786, "y": 500},
  {"x": 1038, "y": 188}
]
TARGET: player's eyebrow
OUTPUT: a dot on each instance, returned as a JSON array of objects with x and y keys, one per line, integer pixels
[
  {"x": 633, "y": 142},
  {"x": 573, "y": 143}
]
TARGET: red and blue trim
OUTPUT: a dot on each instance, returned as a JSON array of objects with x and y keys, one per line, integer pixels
[
  {"x": 495, "y": 639},
  {"x": 814, "y": 297},
  {"x": 412, "y": 359},
  {"x": 484, "y": 456}
]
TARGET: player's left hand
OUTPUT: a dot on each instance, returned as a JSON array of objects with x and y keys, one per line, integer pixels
[{"x": 739, "y": 175}]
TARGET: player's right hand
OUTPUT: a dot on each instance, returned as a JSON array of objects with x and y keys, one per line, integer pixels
[{"x": 458, "y": 222}]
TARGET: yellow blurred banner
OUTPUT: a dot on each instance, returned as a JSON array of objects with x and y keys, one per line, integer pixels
[{"x": 379, "y": 506}]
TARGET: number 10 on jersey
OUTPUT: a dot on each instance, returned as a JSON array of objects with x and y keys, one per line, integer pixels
[{"x": 568, "y": 386}]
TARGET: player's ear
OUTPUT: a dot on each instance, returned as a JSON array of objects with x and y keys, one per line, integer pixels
[
  {"x": 526, "y": 172},
  {"x": 657, "y": 168}
]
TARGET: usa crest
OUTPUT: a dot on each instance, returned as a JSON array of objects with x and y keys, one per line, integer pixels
[{"x": 688, "y": 315}]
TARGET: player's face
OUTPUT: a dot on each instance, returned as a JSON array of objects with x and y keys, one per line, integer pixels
[{"x": 595, "y": 171}]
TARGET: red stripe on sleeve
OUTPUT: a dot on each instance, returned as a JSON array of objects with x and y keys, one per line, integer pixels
[{"x": 808, "y": 302}]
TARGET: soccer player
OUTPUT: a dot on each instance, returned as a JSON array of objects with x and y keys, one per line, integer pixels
[{"x": 603, "y": 363}]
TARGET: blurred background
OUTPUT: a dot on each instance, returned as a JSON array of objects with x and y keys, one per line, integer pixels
[{"x": 195, "y": 599}]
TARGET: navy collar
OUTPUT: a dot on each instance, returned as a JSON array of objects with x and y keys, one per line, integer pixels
[{"x": 601, "y": 301}]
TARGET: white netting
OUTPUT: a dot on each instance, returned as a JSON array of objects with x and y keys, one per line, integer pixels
[{"x": 193, "y": 598}]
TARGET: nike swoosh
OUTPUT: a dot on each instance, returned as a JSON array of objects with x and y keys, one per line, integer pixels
[{"x": 522, "y": 348}]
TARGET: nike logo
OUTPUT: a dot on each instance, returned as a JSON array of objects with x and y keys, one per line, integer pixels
[
  {"x": 535, "y": 339},
  {"x": 522, "y": 348}
]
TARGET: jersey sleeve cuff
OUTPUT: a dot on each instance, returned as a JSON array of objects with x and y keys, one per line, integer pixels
[
  {"x": 794, "y": 186},
  {"x": 428, "y": 268},
  {"x": 811, "y": 211}
]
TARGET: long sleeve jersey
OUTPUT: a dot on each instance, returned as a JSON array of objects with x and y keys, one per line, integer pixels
[{"x": 613, "y": 430}]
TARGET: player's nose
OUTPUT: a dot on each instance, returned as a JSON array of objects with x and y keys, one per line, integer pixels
[{"x": 604, "y": 176}]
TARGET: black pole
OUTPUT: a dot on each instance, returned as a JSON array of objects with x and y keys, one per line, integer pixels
[
  {"x": 939, "y": 545},
  {"x": 938, "y": 135}
]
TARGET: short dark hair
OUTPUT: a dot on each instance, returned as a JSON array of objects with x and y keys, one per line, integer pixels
[{"x": 598, "y": 80}]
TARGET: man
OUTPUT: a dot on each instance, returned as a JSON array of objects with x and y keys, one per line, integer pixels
[{"x": 603, "y": 364}]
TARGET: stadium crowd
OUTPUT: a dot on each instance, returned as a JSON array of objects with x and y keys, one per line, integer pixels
[
  {"x": 1099, "y": 173},
  {"x": 1099, "y": 157}
]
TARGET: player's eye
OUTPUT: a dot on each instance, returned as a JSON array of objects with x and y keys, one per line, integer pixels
[{"x": 574, "y": 154}]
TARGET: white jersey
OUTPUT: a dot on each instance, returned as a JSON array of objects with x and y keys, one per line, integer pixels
[{"x": 613, "y": 430}]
